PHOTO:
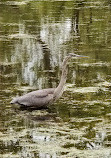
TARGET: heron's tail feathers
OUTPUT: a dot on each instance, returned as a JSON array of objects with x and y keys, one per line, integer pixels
[{"x": 14, "y": 101}]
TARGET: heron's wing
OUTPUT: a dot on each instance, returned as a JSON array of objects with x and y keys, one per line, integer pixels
[
  {"x": 42, "y": 93},
  {"x": 35, "y": 98}
]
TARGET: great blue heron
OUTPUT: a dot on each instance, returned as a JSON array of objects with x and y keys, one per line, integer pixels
[{"x": 42, "y": 98}]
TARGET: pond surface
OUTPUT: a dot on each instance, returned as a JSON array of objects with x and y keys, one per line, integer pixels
[{"x": 35, "y": 36}]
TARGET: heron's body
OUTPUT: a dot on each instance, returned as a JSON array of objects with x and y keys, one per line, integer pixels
[
  {"x": 39, "y": 98},
  {"x": 44, "y": 97}
]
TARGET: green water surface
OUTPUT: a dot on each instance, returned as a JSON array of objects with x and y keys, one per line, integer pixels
[{"x": 35, "y": 36}]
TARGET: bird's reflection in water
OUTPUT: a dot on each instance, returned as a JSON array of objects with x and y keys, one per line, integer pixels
[
  {"x": 39, "y": 114},
  {"x": 47, "y": 117}
]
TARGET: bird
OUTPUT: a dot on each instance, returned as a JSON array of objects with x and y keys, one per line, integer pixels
[{"x": 45, "y": 97}]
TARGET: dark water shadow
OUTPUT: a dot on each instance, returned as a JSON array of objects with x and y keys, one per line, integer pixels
[
  {"x": 38, "y": 114},
  {"x": 24, "y": 108}
]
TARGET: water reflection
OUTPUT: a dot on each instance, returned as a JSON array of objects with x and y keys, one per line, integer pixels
[
  {"x": 38, "y": 53},
  {"x": 34, "y": 39}
]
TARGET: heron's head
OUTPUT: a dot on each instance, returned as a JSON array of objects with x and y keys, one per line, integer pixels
[{"x": 73, "y": 55}]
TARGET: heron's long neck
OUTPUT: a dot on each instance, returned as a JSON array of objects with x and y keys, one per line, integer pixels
[{"x": 58, "y": 91}]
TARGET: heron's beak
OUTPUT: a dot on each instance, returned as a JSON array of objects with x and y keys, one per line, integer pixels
[{"x": 82, "y": 56}]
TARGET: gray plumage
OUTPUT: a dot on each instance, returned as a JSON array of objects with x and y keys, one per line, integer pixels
[
  {"x": 37, "y": 98},
  {"x": 44, "y": 97}
]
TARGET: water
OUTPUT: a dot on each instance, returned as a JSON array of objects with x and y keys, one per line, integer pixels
[{"x": 35, "y": 36}]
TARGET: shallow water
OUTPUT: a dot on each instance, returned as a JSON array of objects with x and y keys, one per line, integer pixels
[{"x": 35, "y": 36}]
